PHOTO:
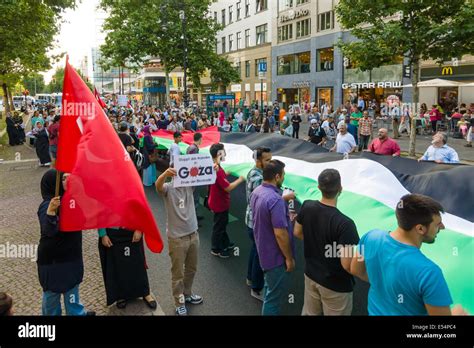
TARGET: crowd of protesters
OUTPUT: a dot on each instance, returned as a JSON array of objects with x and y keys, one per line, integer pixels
[{"x": 271, "y": 226}]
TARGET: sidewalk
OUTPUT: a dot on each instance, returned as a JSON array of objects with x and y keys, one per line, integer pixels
[{"x": 19, "y": 200}]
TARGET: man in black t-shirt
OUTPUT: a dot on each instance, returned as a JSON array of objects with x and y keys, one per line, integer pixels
[
  {"x": 296, "y": 120},
  {"x": 329, "y": 240},
  {"x": 316, "y": 133}
]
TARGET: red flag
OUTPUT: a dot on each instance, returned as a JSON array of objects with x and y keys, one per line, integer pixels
[
  {"x": 104, "y": 188},
  {"x": 99, "y": 99}
]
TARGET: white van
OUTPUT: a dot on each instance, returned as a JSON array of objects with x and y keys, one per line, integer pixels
[{"x": 19, "y": 101}]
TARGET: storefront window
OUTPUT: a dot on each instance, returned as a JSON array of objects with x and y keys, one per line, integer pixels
[
  {"x": 325, "y": 59},
  {"x": 294, "y": 64},
  {"x": 325, "y": 96},
  {"x": 304, "y": 60}
]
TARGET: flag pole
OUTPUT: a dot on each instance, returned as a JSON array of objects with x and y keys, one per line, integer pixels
[{"x": 58, "y": 182}]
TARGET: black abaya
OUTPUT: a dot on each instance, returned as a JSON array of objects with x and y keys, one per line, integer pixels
[
  {"x": 42, "y": 146},
  {"x": 13, "y": 134},
  {"x": 123, "y": 267}
]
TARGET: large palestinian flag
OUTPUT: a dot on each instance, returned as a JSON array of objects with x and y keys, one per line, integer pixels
[{"x": 372, "y": 188}]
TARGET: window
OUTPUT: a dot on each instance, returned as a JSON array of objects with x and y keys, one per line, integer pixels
[
  {"x": 294, "y": 63},
  {"x": 326, "y": 21},
  {"x": 217, "y": 44},
  {"x": 261, "y": 5},
  {"x": 247, "y": 8},
  {"x": 215, "y": 16},
  {"x": 247, "y": 38},
  {"x": 303, "y": 28},
  {"x": 261, "y": 34},
  {"x": 230, "y": 14},
  {"x": 231, "y": 42},
  {"x": 238, "y": 68},
  {"x": 285, "y": 4},
  {"x": 223, "y": 44},
  {"x": 223, "y": 17},
  {"x": 300, "y": 2},
  {"x": 247, "y": 68},
  {"x": 325, "y": 59},
  {"x": 239, "y": 40},
  {"x": 285, "y": 32},
  {"x": 257, "y": 61},
  {"x": 238, "y": 10}
]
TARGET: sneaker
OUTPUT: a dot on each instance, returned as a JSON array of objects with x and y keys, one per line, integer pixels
[
  {"x": 249, "y": 282},
  {"x": 468, "y": 145},
  {"x": 181, "y": 311},
  {"x": 222, "y": 254},
  {"x": 231, "y": 247},
  {"x": 257, "y": 294},
  {"x": 194, "y": 299}
]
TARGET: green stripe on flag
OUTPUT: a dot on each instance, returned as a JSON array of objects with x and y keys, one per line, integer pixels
[{"x": 452, "y": 251}]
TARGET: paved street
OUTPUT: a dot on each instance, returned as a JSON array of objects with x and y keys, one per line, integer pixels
[{"x": 221, "y": 282}]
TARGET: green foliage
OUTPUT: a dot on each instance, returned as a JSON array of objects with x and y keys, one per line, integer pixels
[
  {"x": 33, "y": 79},
  {"x": 138, "y": 30},
  {"x": 56, "y": 83},
  {"x": 27, "y": 34}
]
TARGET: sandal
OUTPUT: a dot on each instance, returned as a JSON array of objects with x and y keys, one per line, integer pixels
[{"x": 121, "y": 304}]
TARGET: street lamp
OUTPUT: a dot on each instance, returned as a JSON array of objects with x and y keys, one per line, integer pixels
[{"x": 182, "y": 16}]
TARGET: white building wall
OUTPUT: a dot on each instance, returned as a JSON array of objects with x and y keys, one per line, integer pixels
[{"x": 254, "y": 20}]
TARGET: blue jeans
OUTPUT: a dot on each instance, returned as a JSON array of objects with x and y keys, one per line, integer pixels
[
  {"x": 52, "y": 303},
  {"x": 254, "y": 271},
  {"x": 277, "y": 281}
]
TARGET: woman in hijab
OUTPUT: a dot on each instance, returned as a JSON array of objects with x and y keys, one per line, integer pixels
[
  {"x": 12, "y": 130},
  {"x": 60, "y": 265},
  {"x": 122, "y": 257},
  {"x": 42, "y": 144},
  {"x": 149, "y": 148},
  {"x": 20, "y": 126}
]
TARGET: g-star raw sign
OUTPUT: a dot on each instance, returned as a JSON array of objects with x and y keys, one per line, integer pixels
[
  {"x": 384, "y": 84},
  {"x": 194, "y": 170}
]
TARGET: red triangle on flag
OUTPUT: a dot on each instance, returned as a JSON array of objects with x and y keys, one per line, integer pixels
[{"x": 104, "y": 188}]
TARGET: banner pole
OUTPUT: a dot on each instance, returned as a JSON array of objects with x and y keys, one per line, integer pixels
[{"x": 58, "y": 182}]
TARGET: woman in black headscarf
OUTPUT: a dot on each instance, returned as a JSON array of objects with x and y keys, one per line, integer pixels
[
  {"x": 60, "y": 264},
  {"x": 12, "y": 130},
  {"x": 20, "y": 127},
  {"x": 42, "y": 145}
]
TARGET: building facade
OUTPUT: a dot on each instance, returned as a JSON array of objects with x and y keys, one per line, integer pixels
[{"x": 245, "y": 41}]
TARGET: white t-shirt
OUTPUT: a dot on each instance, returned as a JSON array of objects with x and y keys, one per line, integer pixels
[
  {"x": 174, "y": 151},
  {"x": 345, "y": 143},
  {"x": 239, "y": 117}
]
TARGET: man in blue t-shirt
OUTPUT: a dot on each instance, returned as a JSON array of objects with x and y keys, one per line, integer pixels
[{"x": 402, "y": 280}]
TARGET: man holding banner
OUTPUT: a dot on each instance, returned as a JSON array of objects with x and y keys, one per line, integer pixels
[{"x": 183, "y": 239}]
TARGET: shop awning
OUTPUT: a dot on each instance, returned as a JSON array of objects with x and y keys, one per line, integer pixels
[{"x": 437, "y": 83}]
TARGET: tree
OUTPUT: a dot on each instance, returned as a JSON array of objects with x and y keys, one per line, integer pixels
[
  {"x": 27, "y": 34},
  {"x": 56, "y": 83},
  {"x": 416, "y": 30},
  {"x": 137, "y": 31},
  {"x": 34, "y": 82}
]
